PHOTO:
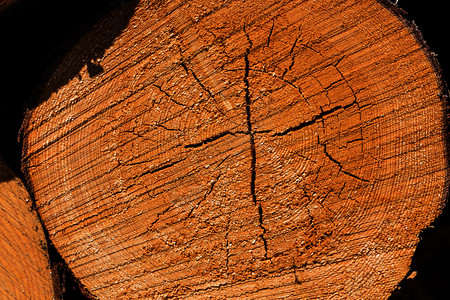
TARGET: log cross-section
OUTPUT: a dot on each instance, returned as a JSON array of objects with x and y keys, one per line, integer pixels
[
  {"x": 24, "y": 266},
  {"x": 242, "y": 149}
]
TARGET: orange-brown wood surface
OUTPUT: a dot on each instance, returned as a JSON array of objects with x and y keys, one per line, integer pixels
[
  {"x": 241, "y": 149},
  {"x": 24, "y": 265}
]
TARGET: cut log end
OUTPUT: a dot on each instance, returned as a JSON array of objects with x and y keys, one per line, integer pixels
[
  {"x": 24, "y": 265},
  {"x": 263, "y": 149}
]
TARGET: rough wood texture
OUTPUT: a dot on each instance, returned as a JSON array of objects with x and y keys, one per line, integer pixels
[
  {"x": 24, "y": 266},
  {"x": 242, "y": 149}
]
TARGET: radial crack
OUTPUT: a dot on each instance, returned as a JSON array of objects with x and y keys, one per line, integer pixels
[
  {"x": 167, "y": 128},
  {"x": 270, "y": 34},
  {"x": 294, "y": 271},
  {"x": 204, "y": 197},
  {"x": 159, "y": 87},
  {"x": 285, "y": 81},
  {"x": 340, "y": 165},
  {"x": 160, "y": 168},
  {"x": 253, "y": 150},
  {"x": 227, "y": 247},
  {"x": 158, "y": 215},
  {"x": 197, "y": 79},
  {"x": 314, "y": 119},
  {"x": 204, "y": 88},
  {"x": 292, "y": 56},
  {"x": 210, "y": 139},
  {"x": 250, "y": 129}
]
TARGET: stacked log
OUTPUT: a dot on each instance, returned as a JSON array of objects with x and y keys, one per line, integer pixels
[{"x": 24, "y": 264}]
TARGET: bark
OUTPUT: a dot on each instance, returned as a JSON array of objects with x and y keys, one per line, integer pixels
[
  {"x": 241, "y": 149},
  {"x": 24, "y": 266}
]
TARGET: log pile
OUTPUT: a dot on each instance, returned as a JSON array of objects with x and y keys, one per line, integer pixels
[{"x": 240, "y": 149}]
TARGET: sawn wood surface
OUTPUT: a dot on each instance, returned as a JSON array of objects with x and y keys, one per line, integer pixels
[{"x": 241, "y": 149}]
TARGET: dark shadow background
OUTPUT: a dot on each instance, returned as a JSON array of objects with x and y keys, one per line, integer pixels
[
  {"x": 34, "y": 34},
  {"x": 429, "y": 276}
]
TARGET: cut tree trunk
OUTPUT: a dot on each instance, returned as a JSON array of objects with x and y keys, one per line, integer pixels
[
  {"x": 241, "y": 149},
  {"x": 24, "y": 265}
]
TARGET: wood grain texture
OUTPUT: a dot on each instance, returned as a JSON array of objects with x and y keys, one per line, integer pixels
[
  {"x": 24, "y": 266},
  {"x": 242, "y": 149}
]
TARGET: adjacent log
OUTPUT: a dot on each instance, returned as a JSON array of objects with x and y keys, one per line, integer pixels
[
  {"x": 24, "y": 265},
  {"x": 242, "y": 149}
]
